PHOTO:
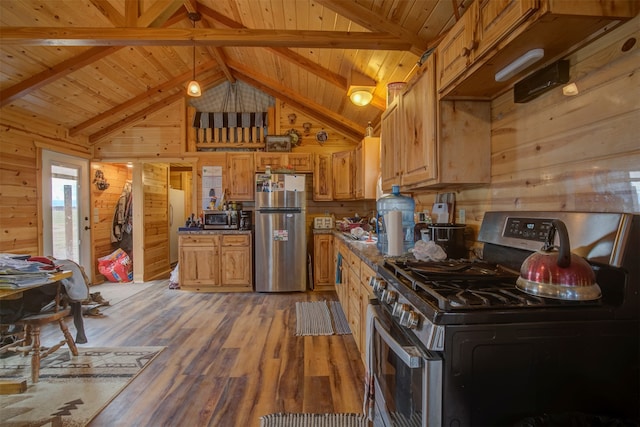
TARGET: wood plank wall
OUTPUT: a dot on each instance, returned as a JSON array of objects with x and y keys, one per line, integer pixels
[
  {"x": 155, "y": 181},
  {"x": 562, "y": 153}
]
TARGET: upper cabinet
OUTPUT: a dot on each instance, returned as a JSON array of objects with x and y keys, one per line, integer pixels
[
  {"x": 342, "y": 164},
  {"x": 366, "y": 168},
  {"x": 322, "y": 177},
  {"x": 493, "y": 34},
  {"x": 299, "y": 162},
  {"x": 431, "y": 144},
  {"x": 241, "y": 176}
]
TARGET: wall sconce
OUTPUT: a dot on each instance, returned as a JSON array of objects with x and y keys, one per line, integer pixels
[
  {"x": 519, "y": 64},
  {"x": 361, "y": 89}
]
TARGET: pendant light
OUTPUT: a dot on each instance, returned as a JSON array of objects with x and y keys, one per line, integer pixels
[{"x": 193, "y": 88}]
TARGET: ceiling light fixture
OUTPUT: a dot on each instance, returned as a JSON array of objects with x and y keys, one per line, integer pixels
[
  {"x": 361, "y": 89},
  {"x": 193, "y": 88},
  {"x": 519, "y": 64}
]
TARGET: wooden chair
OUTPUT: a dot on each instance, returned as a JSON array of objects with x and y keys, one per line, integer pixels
[{"x": 31, "y": 341}]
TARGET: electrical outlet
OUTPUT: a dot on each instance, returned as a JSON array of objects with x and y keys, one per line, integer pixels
[{"x": 462, "y": 217}]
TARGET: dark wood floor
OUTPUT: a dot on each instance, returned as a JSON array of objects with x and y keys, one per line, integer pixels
[{"x": 229, "y": 359}]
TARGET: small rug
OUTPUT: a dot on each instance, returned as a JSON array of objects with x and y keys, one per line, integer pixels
[
  {"x": 313, "y": 420},
  {"x": 320, "y": 318},
  {"x": 71, "y": 390}
]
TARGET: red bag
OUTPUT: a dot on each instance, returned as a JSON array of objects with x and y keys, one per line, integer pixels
[{"x": 116, "y": 267}]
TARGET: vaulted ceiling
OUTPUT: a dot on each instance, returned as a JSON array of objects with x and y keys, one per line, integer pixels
[{"x": 98, "y": 66}]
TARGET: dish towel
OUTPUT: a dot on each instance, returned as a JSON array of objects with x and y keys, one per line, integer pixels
[{"x": 339, "y": 269}]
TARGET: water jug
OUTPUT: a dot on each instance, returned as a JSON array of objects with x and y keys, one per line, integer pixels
[{"x": 391, "y": 202}]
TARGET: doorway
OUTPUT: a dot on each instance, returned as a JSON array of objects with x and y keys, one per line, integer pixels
[{"x": 66, "y": 221}]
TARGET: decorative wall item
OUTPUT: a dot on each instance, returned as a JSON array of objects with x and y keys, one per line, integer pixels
[
  {"x": 292, "y": 118},
  {"x": 278, "y": 143},
  {"x": 322, "y": 136},
  {"x": 100, "y": 181},
  {"x": 296, "y": 138},
  {"x": 307, "y": 128}
]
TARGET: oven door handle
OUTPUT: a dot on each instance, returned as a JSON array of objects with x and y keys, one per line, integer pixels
[{"x": 409, "y": 355}]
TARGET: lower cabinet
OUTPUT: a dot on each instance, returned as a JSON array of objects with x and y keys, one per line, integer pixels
[
  {"x": 323, "y": 263},
  {"x": 216, "y": 262}
]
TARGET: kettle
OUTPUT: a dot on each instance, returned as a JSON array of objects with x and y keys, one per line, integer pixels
[{"x": 556, "y": 272}]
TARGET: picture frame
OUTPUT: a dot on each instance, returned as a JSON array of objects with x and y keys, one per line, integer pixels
[{"x": 278, "y": 143}]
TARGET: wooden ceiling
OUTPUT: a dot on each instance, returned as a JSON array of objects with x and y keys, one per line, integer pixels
[{"x": 98, "y": 66}]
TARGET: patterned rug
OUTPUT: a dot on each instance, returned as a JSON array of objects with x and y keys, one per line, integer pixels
[
  {"x": 71, "y": 390},
  {"x": 321, "y": 318},
  {"x": 313, "y": 420}
]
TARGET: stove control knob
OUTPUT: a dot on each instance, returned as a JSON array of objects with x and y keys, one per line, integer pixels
[
  {"x": 399, "y": 308},
  {"x": 389, "y": 296},
  {"x": 409, "y": 319},
  {"x": 380, "y": 285}
]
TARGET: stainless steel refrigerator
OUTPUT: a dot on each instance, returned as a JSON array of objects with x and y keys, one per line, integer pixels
[{"x": 280, "y": 234}]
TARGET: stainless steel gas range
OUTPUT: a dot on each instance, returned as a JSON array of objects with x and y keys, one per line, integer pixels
[{"x": 456, "y": 343}]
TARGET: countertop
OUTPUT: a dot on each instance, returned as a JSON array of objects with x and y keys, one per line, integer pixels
[
  {"x": 192, "y": 230},
  {"x": 367, "y": 252}
]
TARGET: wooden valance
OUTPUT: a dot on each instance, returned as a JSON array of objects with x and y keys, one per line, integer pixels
[{"x": 228, "y": 129}]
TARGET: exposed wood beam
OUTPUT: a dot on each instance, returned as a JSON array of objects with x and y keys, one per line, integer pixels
[
  {"x": 308, "y": 106},
  {"x": 54, "y": 73},
  {"x": 288, "y": 54},
  {"x": 131, "y": 13},
  {"x": 374, "y": 22},
  {"x": 56, "y": 36},
  {"x": 218, "y": 55},
  {"x": 159, "y": 12},
  {"x": 121, "y": 109},
  {"x": 109, "y": 12}
]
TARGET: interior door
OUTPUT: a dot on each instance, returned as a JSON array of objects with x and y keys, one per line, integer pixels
[
  {"x": 66, "y": 224},
  {"x": 176, "y": 218}
]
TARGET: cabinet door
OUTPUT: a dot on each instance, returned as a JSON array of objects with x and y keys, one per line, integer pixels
[
  {"x": 236, "y": 266},
  {"x": 301, "y": 162},
  {"x": 455, "y": 50},
  {"x": 199, "y": 260},
  {"x": 419, "y": 122},
  {"x": 322, "y": 177},
  {"x": 275, "y": 160},
  {"x": 496, "y": 19},
  {"x": 343, "y": 175},
  {"x": 322, "y": 261},
  {"x": 390, "y": 143},
  {"x": 358, "y": 172},
  {"x": 241, "y": 176}
]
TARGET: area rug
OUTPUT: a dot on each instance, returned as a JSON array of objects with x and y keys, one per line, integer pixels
[
  {"x": 313, "y": 420},
  {"x": 71, "y": 390},
  {"x": 320, "y": 318}
]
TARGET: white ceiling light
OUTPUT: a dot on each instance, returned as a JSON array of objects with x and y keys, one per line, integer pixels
[
  {"x": 361, "y": 89},
  {"x": 519, "y": 64},
  {"x": 193, "y": 88}
]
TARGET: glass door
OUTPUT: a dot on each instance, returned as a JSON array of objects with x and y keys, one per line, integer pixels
[{"x": 65, "y": 208}]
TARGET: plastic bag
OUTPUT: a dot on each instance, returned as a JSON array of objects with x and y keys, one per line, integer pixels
[
  {"x": 174, "y": 278},
  {"x": 428, "y": 251},
  {"x": 116, "y": 267}
]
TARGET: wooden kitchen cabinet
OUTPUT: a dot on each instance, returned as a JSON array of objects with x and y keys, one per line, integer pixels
[
  {"x": 322, "y": 177},
  {"x": 366, "y": 168},
  {"x": 418, "y": 118},
  {"x": 236, "y": 266},
  {"x": 216, "y": 262},
  {"x": 492, "y": 34},
  {"x": 240, "y": 176},
  {"x": 323, "y": 262},
  {"x": 391, "y": 138},
  {"x": 300, "y": 162},
  {"x": 446, "y": 144},
  {"x": 342, "y": 164}
]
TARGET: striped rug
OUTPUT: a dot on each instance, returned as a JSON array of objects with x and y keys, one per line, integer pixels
[
  {"x": 320, "y": 318},
  {"x": 313, "y": 420}
]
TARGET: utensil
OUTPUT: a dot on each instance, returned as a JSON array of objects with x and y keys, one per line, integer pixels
[{"x": 557, "y": 273}]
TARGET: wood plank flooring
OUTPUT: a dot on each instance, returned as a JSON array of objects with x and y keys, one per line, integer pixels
[{"x": 230, "y": 358}]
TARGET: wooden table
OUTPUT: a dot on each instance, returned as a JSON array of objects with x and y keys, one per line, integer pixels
[{"x": 19, "y": 386}]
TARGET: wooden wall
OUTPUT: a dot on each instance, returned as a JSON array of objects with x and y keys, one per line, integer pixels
[
  {"x": 155, "y": 182},
  {"x": 560, "y": 153}
]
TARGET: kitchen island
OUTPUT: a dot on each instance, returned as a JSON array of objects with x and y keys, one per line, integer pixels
[{"x": 215, "y": 260}]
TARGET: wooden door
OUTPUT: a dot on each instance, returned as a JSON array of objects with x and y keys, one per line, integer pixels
[
  {"x": 301, "y": 162},
  {"x": 240, "y": 177},
  {"x": 496, "y": 19},
  {"x": 323, "y": 278},
  {"x": 419, "y": 122},
  {"x": 390, "y": 146},
  {"x": 236, "y": 261},
  {"x": 322, "y": 177},
  {"x": 199, "y": 260},
  {"x": 275, "y": 160},
  {"x": 454, "y": 52},
  {"x": 343, "y": 175},
  {"x": 155, "y": 182}
]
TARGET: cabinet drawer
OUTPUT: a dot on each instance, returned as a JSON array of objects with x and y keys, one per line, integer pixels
[
  {"x": 235, "y": 240},
  {"x": 354, "y": 263},
  {"x": 199, "y": 240},
  {"x": 366, "y": 273}
]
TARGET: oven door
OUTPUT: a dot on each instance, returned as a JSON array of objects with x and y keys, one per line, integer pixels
[{"x": 407, "y": 379}]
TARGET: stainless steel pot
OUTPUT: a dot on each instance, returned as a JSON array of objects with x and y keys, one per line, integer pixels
[{"x": 557, "y": 273}]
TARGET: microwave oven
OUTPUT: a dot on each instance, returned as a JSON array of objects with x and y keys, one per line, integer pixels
[{"x": 220, "y": 220}]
